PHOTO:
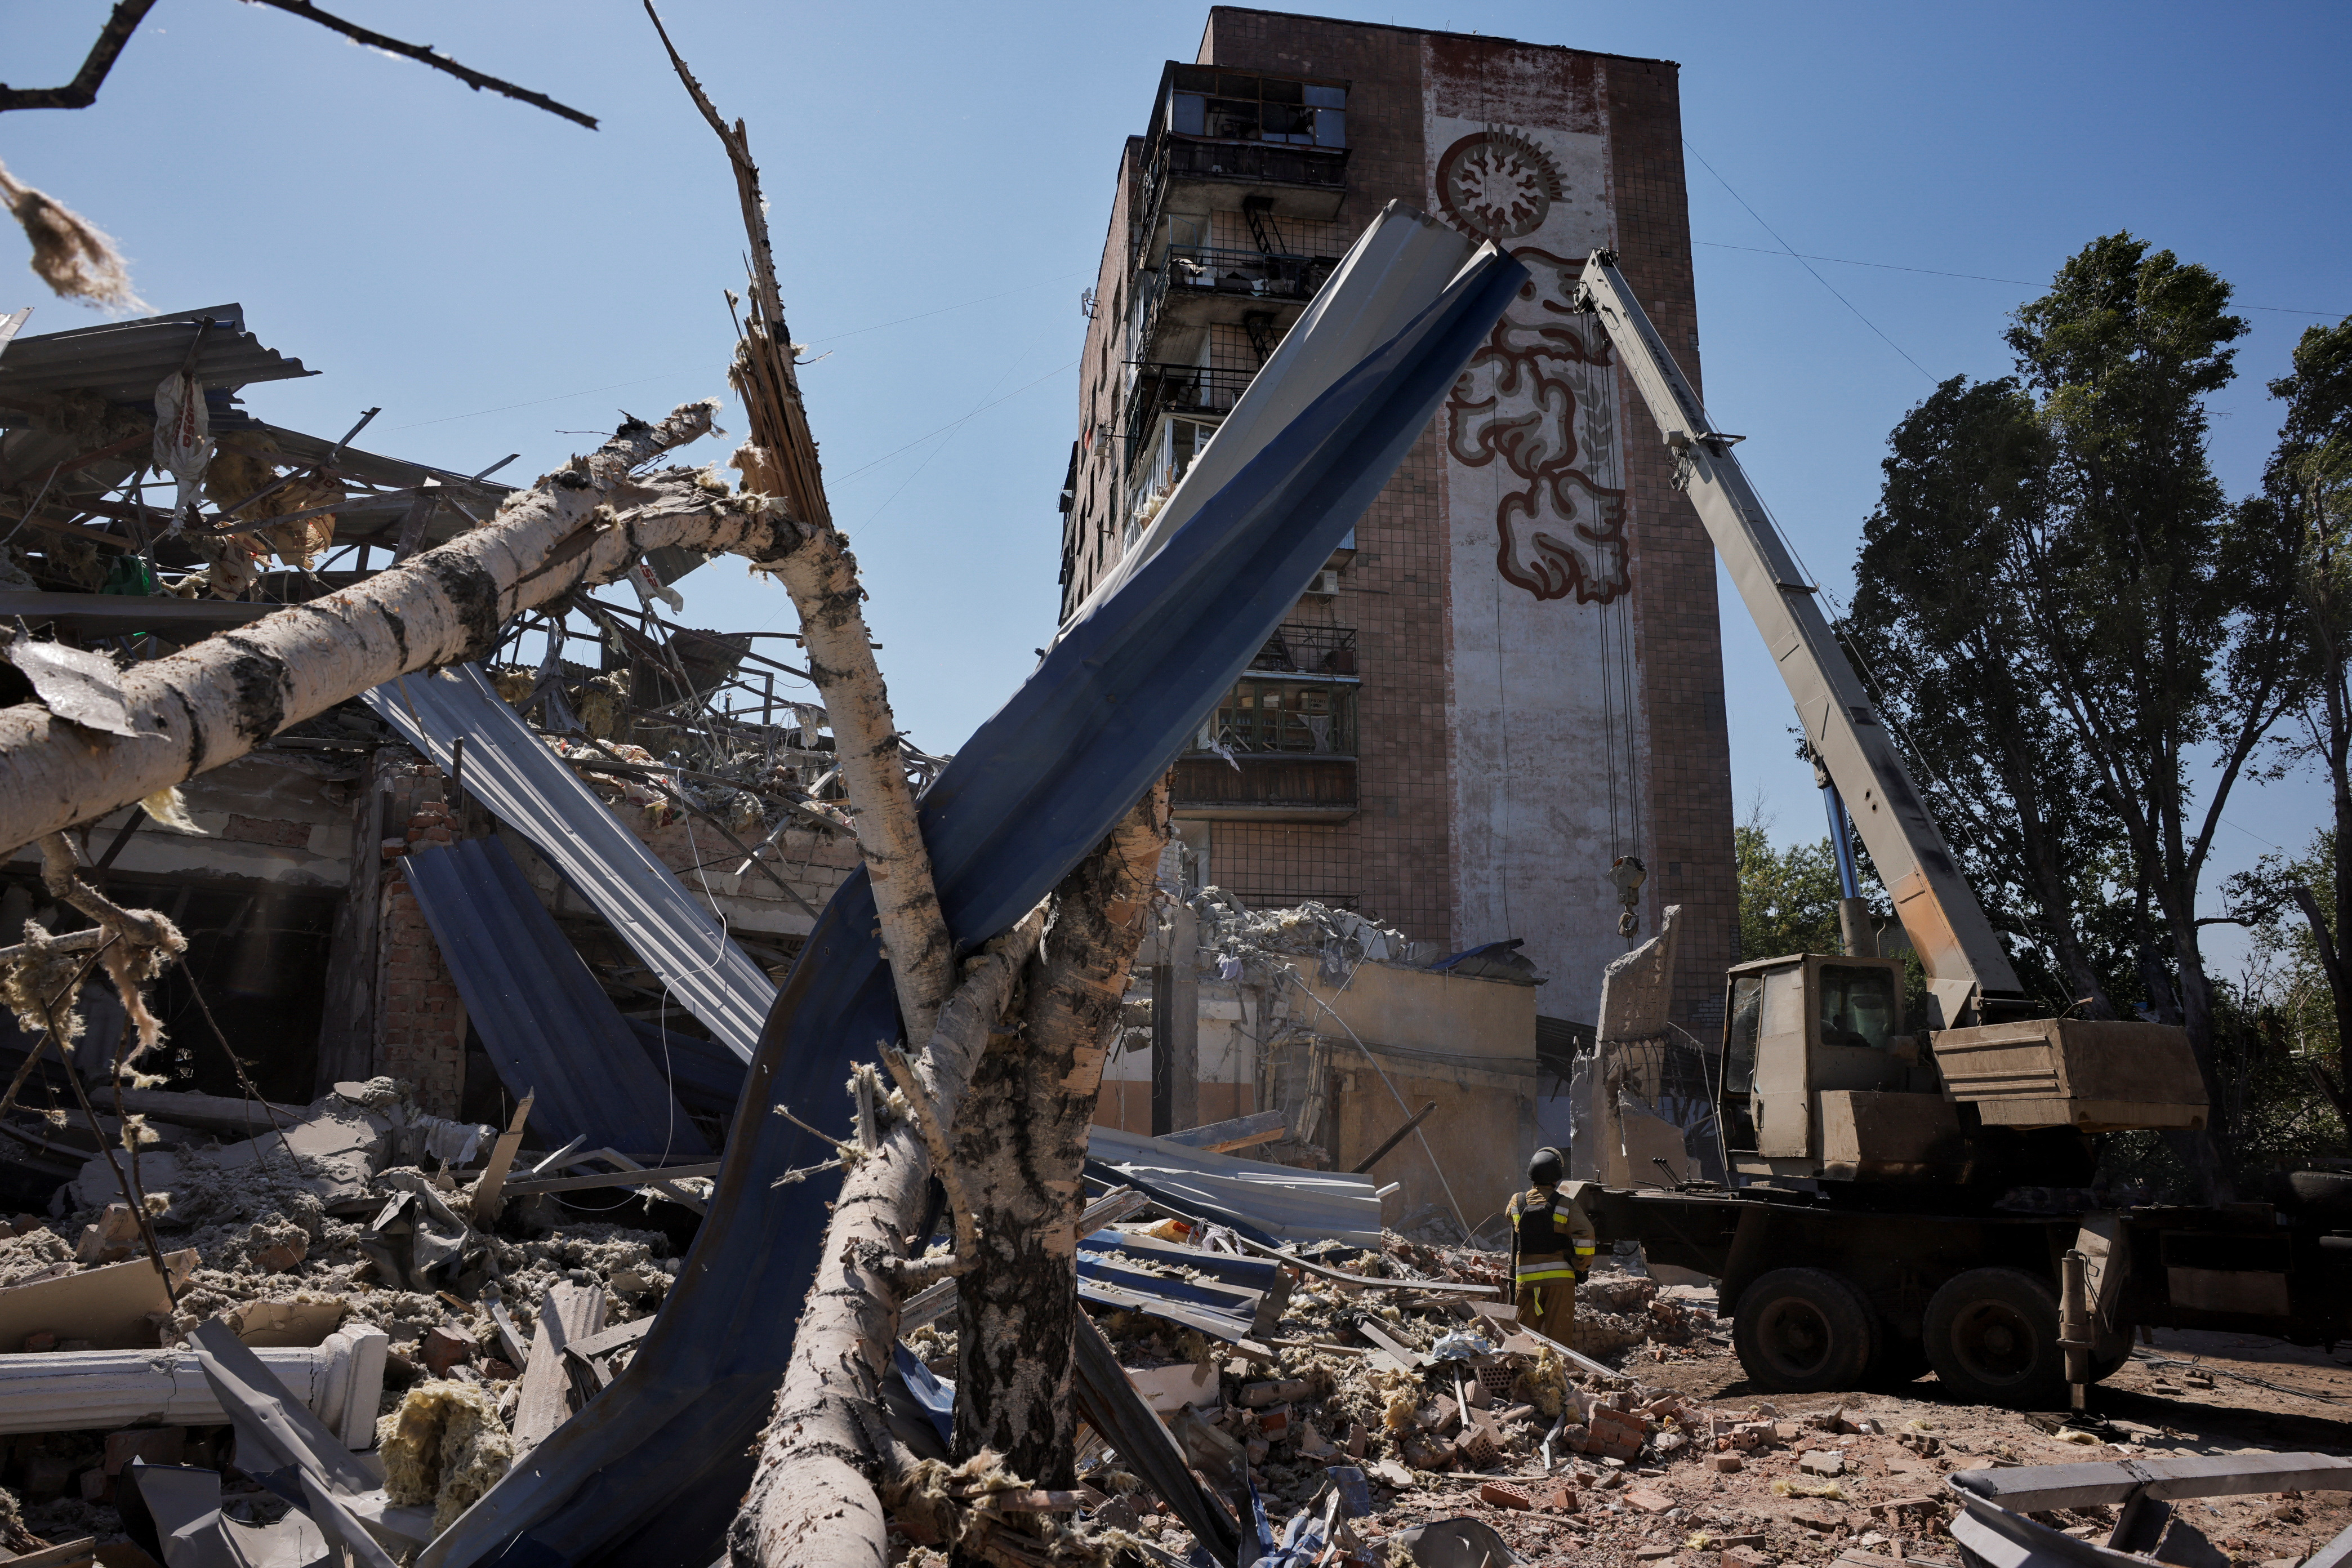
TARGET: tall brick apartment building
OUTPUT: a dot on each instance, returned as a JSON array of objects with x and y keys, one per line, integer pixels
[{"x": 1513, "y": 677}]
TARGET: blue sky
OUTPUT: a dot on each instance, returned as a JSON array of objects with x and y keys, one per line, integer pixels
[{"x": 499, "y": 279}]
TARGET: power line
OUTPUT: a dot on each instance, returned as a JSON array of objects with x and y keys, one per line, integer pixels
[
  {"x": 1808, "y": 265},
  {"x": 1939, "y": 272}
]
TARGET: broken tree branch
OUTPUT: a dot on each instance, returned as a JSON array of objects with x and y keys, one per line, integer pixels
[
  {"x": 425, "y": 54},
  {"x": 943, "y": 1165},
  {"x": 215, "y": 701},
  {"x": 812, "y": 1500},
  {"x": 781, "y": 459},
  {"x": 82, "y": 91}
]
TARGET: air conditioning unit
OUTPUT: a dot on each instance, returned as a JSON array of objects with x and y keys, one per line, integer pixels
[{"x": 1325, "y": 584}]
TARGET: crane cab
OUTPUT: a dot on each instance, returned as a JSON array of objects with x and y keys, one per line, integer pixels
[{"x": 1821, "y": 1077}]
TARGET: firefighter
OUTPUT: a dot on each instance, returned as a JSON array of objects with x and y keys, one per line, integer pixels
[{"x": 1551, "y": 1248}]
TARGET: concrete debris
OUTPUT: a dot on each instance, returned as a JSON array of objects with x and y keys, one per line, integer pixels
[
  {"x": 1260, "y": 940},
  {"x": 346, "y": 1254}
]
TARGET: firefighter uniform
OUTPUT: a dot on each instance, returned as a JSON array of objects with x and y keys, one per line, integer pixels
[{"x": 1551, "y": 1246}]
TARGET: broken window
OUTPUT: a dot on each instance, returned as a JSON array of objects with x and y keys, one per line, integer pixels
[
  {"x": 1237, "y": 106},
  {"x": 1317, "y": 717}
]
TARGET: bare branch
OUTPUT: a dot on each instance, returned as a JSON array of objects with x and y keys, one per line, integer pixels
[
  {"x": 82, "y": 91},
  {"x": 427, "y": 55}
]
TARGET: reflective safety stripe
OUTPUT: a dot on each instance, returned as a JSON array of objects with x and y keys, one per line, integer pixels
[
  {"x": 1585, "y": 1248},
  {"x": 1534, "y": 1269}
]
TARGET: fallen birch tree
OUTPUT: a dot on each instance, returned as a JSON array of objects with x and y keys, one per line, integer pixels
[
  {"x": 214, "y": 702},
  {"x": 1014, "y": 1201}
]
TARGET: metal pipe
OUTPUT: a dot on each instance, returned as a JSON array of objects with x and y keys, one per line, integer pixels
[
  {"x": 1853, "y": 913},
  {"x": 2075, "y": 1326}
]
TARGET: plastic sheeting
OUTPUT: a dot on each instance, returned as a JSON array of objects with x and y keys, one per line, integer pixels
[
  {"x": 548, "y": 1026},
  {"x": 534, "y": 791},
  {"x": 651, "y": 1471}
]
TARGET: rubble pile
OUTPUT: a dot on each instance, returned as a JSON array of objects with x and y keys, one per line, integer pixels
[
  {"x": 1425, "y": 1414},
  {"x": 1253, "y": 942},
  {"x": 353, "y": 1216}
]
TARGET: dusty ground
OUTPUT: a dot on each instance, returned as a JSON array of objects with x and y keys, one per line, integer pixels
[{"x": 2164, "y": 1408}]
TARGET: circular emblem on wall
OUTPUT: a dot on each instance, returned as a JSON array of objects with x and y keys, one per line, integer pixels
[{"x": 1497, "y": 183}]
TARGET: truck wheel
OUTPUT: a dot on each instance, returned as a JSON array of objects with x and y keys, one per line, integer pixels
[
  {"x": 1992, "y": 1334},
  {"x": 1805, "y": 1331}
]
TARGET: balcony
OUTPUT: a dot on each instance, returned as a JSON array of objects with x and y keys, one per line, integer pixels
[
  {"x": 1195, "y": 391},
  {"x": 1245, "y": 134},
  {"x": 1307, "y": 649},
  {"x": 1281, "y": 746},
  {"x": 1197, "y": 286},
  {"x": 1261, "y": 788}
]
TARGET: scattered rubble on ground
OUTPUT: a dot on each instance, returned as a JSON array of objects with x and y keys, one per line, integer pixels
[
  {"x": 289, "y": 1238},
  {"x": 1659, "y": 1452}
]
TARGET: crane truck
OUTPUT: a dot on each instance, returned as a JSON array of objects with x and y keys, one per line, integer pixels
[{"x": 1907, "y": 1193}]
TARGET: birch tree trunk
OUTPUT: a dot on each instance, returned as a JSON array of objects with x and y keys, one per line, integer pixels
[
  {"x": 213, "y": 702},
  {"x": 811, "y": 1499},
  {"x": 1021, "y": 1143},
  {"x": 781, "y": 460}
]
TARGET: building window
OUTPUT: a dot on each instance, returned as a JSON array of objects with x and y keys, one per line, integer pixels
[
  {"x": 1298, "y": 698},
  {"x": 1312, "y": 718},
  {"x": 1236, "y": 106}
]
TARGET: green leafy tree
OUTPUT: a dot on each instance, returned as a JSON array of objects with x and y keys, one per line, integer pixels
[
  {"x": 2157, "y": 610},
  {"x": 1939, "y": 619},
  {"x": 1788, "y": 898},
  {"x": 2307, "y": 501}
]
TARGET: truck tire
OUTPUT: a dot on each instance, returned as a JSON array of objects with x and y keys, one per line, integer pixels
[
  {"x": 1992, "y": 1334},
  {"x": 1805, "y": 1331}
]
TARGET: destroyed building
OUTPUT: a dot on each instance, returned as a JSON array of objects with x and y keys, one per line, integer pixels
[
  {"x": 286, "y": 866},
  {"x": 1510, "y": 679}
]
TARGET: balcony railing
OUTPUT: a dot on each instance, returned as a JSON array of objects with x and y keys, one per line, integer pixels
[
  {"x": 1308, "y": 649},
  {"x": 1257, "y": 162},
  {"x": 1200, "y": 267},
  {"x": 1196, "y": 389},
  {"x": 1172, "y": 158},
  {"x": 1202, "y": 272}
]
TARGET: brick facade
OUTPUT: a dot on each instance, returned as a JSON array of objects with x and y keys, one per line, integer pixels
[
  {"x": 1500, "y": 767},
  {"x": 420, "y": 1018}
]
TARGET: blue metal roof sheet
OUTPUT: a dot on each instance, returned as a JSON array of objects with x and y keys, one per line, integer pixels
[
  {"x": 659, "y": 1457},
  {"x": 511, "y": 769},
  {"x": 548, "y": 1026}
]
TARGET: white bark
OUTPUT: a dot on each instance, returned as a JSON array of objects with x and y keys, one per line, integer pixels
[
  {"x": 813, "y": 1499},
  {"x": 216, "y": 700},
  {"x": 781, "y": 460}
]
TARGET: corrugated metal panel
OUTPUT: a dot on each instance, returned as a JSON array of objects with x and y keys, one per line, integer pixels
[
  {"x": 511, "y": 769},
  {"x": 1282, "y": 1200},
  {"x": 656, "y": 1458},
  {"x": 122, "y": 360},
  {"x": 548, "y": 1027}
]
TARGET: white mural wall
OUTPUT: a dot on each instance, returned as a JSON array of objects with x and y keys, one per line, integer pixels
[{"x": 1549, "y": 738}]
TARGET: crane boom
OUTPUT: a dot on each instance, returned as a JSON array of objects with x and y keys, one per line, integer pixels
[{"x": 1946, "y": 925}]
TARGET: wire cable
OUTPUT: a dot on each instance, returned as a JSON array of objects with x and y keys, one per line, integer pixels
[{"x": 1808, "y": 265}]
